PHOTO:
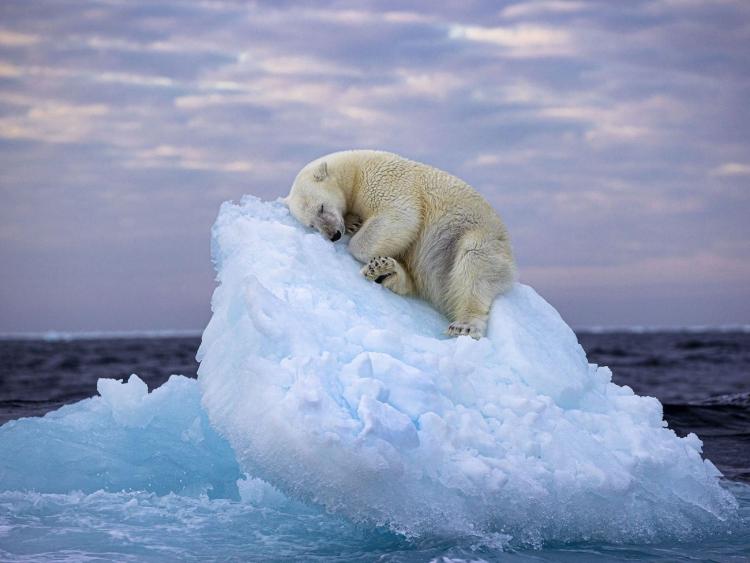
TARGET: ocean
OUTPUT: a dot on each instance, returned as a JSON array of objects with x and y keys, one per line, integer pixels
[{"x": 702, "y": 377}]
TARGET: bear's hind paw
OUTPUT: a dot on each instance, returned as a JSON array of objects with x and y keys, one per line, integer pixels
[{"x": 465, "y": 329}]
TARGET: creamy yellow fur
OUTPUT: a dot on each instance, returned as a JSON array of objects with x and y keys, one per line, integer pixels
[{"x": 417, "y": 229}]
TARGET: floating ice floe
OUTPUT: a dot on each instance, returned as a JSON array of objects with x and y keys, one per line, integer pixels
[
  {"x": 126, "y": 439},
  {"x": 343, "y": 394}
]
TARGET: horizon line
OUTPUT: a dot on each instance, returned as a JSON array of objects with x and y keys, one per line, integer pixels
[{"x": 61, "y": 335}]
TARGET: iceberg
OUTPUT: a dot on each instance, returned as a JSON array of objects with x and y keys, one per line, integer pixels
[
  {"x": 331, "y": 416},
  {"x": 343, "y": 394}
]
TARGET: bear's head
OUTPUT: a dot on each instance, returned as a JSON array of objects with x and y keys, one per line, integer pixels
[{"x": 317, "y": 200}]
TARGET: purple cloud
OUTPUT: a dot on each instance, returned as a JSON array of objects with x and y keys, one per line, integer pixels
[{"x": 613, "y": 139}]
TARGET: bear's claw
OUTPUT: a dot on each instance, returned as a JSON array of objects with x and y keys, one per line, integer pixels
[
  {"x": 467, "y": 329},
  {"x": 352, "y": 223}
]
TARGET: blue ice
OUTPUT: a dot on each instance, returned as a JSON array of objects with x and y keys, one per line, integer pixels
[{"x": 325, "y": 402}]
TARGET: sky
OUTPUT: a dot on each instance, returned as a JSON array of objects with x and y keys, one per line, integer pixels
[{"x": 612, "y": 137}]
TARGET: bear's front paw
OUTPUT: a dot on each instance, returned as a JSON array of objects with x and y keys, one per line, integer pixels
[
  {"x": 353, "y": 223},
  {"x": 379, "y": 269},
  {"x": 467, "y": 329}
]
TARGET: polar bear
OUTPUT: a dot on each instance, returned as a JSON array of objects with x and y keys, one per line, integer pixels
[{"x": 418, "y": 230}]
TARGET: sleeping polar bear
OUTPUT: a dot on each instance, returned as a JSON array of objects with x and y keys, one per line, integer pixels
[{"x": 418, "y": 230}]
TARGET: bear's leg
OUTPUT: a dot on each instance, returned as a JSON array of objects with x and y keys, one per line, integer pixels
[
  {"x": 387, "y": 271},
  {"x": 482, "y": 270},
  {"x": 384, "y": 234}
]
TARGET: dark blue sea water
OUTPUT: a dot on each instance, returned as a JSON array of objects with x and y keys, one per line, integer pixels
[{"x": 702, "y": 378}]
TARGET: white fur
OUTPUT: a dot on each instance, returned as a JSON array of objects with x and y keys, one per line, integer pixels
[{"x": 417, "y": 229}]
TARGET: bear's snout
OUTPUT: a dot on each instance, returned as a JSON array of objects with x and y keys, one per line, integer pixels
[{"x": 330, "y": 225}]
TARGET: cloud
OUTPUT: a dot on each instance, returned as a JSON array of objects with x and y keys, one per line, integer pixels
[
  {"x": 9, "y": 70},
  {"x": 53, "y": 122},
  {"x": 640, "y": 120},
  {"x": 542, "y": 8},
  {"x": 41, "y": 72},
  {"x": 732, "y": 169},
  {"x": 187, "y": 158},
  {"x": 609, "y": 135},
  {"x": 365, "y": 17},
  {"x": 522, "y": 41},
  {"x": 700, "y": 268},
  {"x": 15, "y": 39}
]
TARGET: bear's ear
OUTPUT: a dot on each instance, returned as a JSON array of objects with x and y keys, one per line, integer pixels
[{"x": 321, "y": 172}]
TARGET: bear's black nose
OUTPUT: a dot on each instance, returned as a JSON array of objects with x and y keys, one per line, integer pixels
[{"x": 336, "y": 237}]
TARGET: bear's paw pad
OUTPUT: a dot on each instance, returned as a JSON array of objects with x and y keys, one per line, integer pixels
[{"x": 379, "y": 269}]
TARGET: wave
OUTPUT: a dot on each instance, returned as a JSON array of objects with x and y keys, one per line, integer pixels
[
  {"x": 65, "y": 336},
  {"x": 649, "y": 329}
]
